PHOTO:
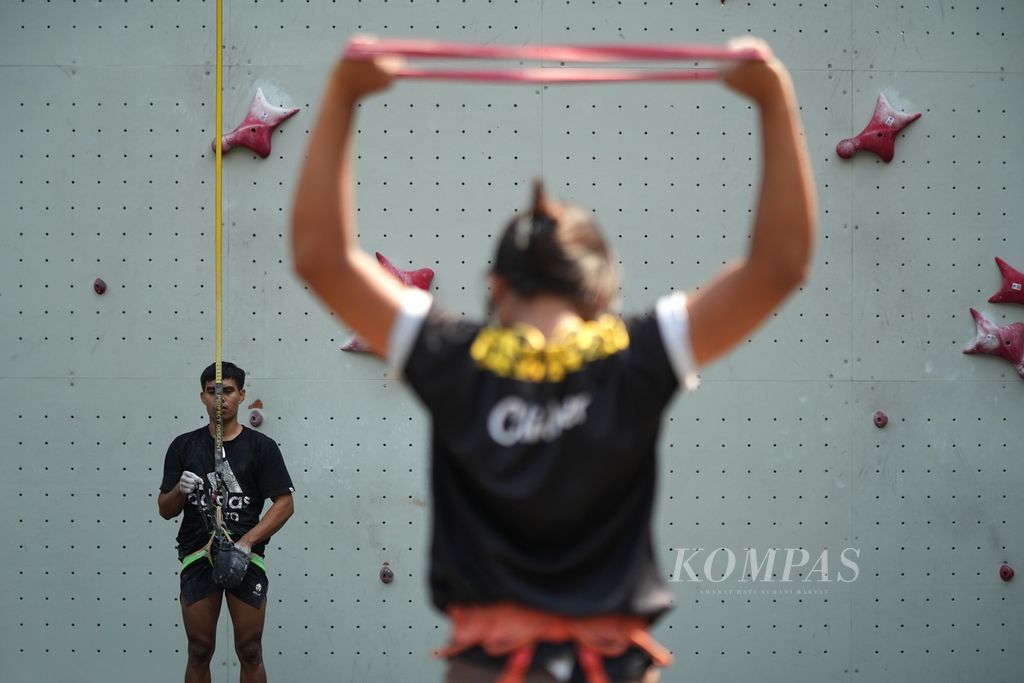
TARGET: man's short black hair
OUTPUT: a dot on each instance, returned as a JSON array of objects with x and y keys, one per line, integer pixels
[{"x": 227, "y": 371}]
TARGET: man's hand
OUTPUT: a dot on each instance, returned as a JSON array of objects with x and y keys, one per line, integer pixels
[
  {"x": 362, "y": 77},
  {"x": 757, "y": 80},
  {"x": 189, "y": 482},
  {"x": 244, "y": 546}
]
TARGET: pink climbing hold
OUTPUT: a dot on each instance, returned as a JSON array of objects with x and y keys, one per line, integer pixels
[
  {"x": 99, "y": 286},
  {"x": 1005, "y": 341},
  {"x": 255, "y": 418},
  {"x": 255, "y": 130},
  {"x": 420, "y": 278},
  {"x": 1005, "y": 572},
  {"x": 1012, "y": 291},
  {"x": 880, "y": 419},
  {"x": 356, "y": 345},
  {"x": 879, "y": 136}
]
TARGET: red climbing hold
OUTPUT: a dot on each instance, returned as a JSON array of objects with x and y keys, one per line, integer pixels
[
  {"x": 356, "y": 345},
  {"x": 1012, "y": 291},
  {"x": 880, "y": 419},
  {"x": 255, "y": 130},
  {"x": 255, "y": 418},
  {"x": 1005, "y": 341},
  {"x": 421, "y": 278},
  {"x": 99, "y": 286},
  {"x": 880, "y": 134},
  {"x": 386, "y": 575},
  {"x": 1006, "y": 572}
]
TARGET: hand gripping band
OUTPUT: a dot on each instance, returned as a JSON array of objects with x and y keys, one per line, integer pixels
[{"x": 367, "y": 48}]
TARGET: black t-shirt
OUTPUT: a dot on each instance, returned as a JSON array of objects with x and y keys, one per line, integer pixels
[
  {"x": 543, "y": 464},
  {"x": 259, "y": 470}
]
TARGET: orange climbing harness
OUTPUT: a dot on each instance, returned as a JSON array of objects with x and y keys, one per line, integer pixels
[{"x": 513, "y": 631}]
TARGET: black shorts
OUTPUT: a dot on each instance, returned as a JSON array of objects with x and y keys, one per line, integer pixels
[{"x": 197, "y": 583}]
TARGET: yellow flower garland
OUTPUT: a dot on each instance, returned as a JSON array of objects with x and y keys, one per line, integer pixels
[{"x": 522, "y": 353}]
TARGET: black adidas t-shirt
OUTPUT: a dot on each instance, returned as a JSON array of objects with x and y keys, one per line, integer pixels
[
  {"x": 259, "y": 473},
  {"x": 543, "y": 464}
]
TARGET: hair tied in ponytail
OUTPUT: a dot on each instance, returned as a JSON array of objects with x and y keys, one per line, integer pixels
[
  {"x": 542, "y": 209},
  {"x": 543, "y": 216},
  {"x": 522, "y": 232}
]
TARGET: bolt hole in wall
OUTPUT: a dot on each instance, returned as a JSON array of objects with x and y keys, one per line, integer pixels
[{"x": 893, "y": 545}]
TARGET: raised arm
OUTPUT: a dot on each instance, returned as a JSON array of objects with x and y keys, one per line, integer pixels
[
  {"x": 739, "y": 298},
  {"x": 327, "y": 257}
]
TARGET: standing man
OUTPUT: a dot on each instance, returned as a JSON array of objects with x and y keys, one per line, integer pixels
[{"x": 234, "y": 495}]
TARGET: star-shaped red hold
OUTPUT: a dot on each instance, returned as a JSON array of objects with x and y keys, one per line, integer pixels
[
  {"x": 1012, "y": 291},
  {"x": 880, "y": 134},
  {"x": 1005, "y": 341},
  {"x": 254, "y": 132},
  {"x": 421, "y": 278}
]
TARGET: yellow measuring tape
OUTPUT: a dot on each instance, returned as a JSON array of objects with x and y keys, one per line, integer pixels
[{"x": 218, "y": 238}]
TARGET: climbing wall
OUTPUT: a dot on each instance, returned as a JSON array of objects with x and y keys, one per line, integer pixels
[{"x": 802, "y": 542}]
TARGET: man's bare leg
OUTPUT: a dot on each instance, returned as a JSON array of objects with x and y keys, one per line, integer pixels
[
  {"x": 200, "y": 619},
  {"x": 247, "y": 622}
]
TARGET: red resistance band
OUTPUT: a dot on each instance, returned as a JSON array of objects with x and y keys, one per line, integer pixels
[{"x": 368, "y": 48}]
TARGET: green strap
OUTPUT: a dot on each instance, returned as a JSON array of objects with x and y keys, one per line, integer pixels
[
  {"x": 202, "y": 552},
  {"x": 193, "y": 557}
]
